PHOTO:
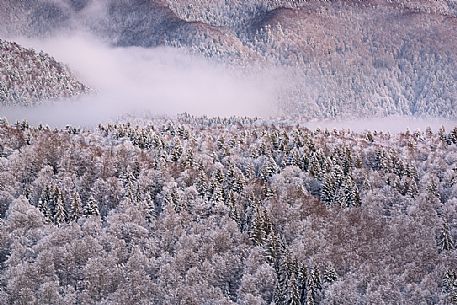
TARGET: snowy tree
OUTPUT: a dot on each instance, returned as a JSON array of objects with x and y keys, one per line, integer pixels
[
  {"x": 445, "y": 241},
  {"x": 91, "y": 207}
]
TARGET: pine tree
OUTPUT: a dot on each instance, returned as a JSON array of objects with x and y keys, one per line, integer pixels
[
  {"x": 432, "y": 189},
  {"x": 442, "y": 134},
  {"x": 150, "y": 207},
  {"x": 60, "y": 214},
  {"x": 330, "y": 274},
  {"x": 76, "y": 209},
  {"x": 218, "y": 177},
  {"x": 314, "y": 168},
  {"x": 44, "y": 204},
  {"x": 249, "y": 171},
  {"x": 382, "y": 159},
  {"x": 188, "y": 159},
  {"x": 453, "y": 135},
  {"x": 408, "y": 187},
  {"x": 352, "y": 196},
  {"x": 445, "y": 241},
  {"x": 279, "y": 295},
  {"x": 268, "y": 190},
  {"x": 239, "y": 181},
  {"x": 91, "y": 207},
  {"x": 450, "y": 280},
  {"x": 275, "y": 250},
  {"x": 269, "y": 168},
  {"x": 313, "y": 285},
  {"x": 328, "y": 190},
  {"x": 201, "y": 183},
  {"x": 294, "y": 293},
  {"x": 176, "y": 151},
  {"x": 314, "y": 280},
  {"x": 294, "y": 158},
  {"x": 428, "y": 132},
  {"x": 302, "y": 280},
  {"x": 450, "y": 285},
  {"x": 310, "y": 299},
  {"x": 218, "y": 195},
  {"x": 260, "y": 227}
]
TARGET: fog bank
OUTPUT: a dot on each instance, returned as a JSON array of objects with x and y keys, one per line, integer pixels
[
  {"x": 393, "y": 124},
  {"x": 137, "y": 81}
]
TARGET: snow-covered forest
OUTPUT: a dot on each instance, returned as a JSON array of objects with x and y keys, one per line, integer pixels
[
  {"x": 201, "y": 210},
  {"x": 28, "y": 77},
  {"x": 241, "y": 199}
]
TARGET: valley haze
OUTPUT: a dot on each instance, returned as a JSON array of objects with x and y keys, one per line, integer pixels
[{"x": 158, "y": 81}]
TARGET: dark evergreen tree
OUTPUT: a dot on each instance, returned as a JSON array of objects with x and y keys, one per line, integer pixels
[
  {"x": 445, "y": 240},
  {"x": 60, "y": 213},
  {"x": 91, "y": 207},
  {"x": 75, "y": 206}
]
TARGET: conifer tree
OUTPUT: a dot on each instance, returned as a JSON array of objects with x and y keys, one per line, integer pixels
[
  {"x": 432, "y": 189},
  {"x": 328, "y": 190},
  {"x": 176, "y": 151},
  {"x": 269, "y": 168},
  {"x": 257, "y": 233},
  {"x": 279, "y": 296},
  {"x": 330, "y": 274},
  {"x": 314, "y": 168},
  {"x": 410, "y": 187},
  {"x": 150, "y": 207},
  {"x": 294, "y": 293},
  {"x": 60, "y": 214},
  {"x": 218, "y": 195},
  {"x": 310, "y": 299},
  {"x": 445, "y": 240},
  {"x": 45, "y": 204},
  {"x": 75, "y": 206},
  {"x": 450, "y": 280},
  {"x": 450, "y": 285},
  {"x": 91, "y": 207}
]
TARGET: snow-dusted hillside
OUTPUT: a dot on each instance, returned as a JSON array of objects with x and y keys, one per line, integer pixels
[
  {"x": 28, "y": 77},
  {"x": 345, "y": 58},
  {"x": 288, "y": 209},
  {"x": 226, "y": 211}
]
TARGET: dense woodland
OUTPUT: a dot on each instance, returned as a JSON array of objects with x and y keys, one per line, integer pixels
[{"x": 226, "y": 211}]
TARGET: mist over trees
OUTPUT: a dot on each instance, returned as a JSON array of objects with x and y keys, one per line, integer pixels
[
  {"x": 343, "y": 58},
  {"x": 226, "y": 211}
]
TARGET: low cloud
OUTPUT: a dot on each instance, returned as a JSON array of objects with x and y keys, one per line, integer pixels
[
  {"x": 138, "y": 81},
  {"x": 393, "y": 124}
]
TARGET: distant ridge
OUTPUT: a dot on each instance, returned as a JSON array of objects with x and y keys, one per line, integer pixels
[{"x": 344, "y": 58}]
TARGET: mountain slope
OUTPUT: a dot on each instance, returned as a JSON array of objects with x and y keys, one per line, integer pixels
[
  {"x": 28, "y": 77},
  {"x": 370, "y": 60},
  {"x": 343, "y": 58}
]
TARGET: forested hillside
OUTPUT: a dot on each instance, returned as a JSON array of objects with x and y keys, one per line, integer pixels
[
  {"x": 28, "y": 77},
  {"x": 226, "y": 211},
  {"x": 342, "y": 58},
  {"x": 235, "y": 210}
]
